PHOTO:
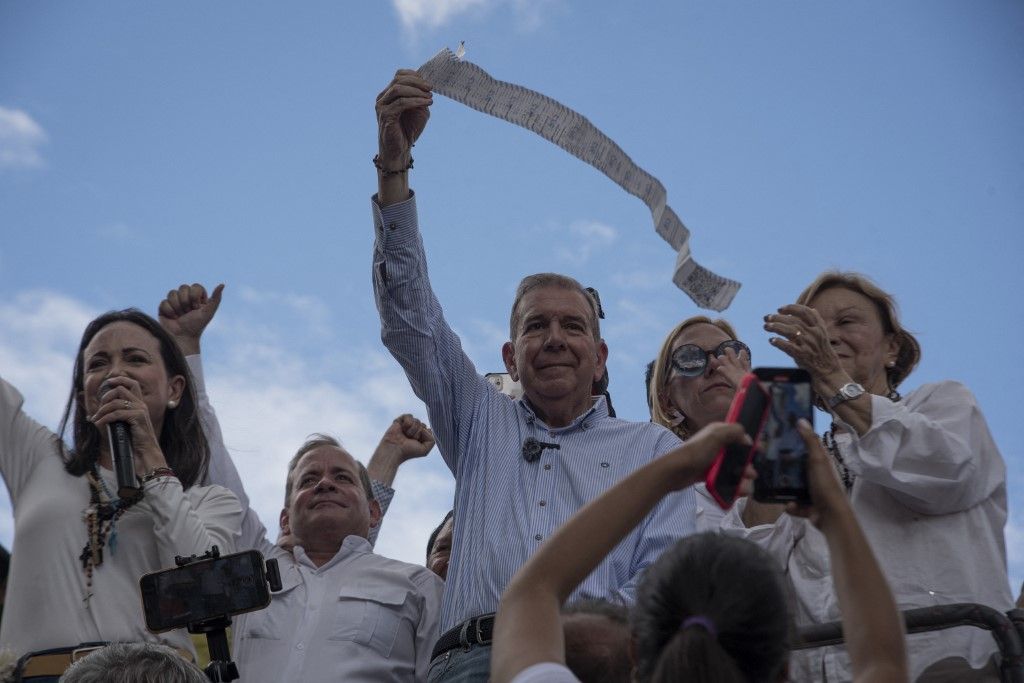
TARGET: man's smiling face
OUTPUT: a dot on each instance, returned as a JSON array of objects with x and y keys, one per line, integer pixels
[
  {"x": 555, "y": 354},
  {"x": 328, "y": 499}
]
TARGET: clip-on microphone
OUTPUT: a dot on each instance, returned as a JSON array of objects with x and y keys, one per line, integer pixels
[{"x": 533, "y": 448}]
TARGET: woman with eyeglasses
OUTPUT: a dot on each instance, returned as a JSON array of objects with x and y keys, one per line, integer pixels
[
  {"x": 693, "y": 380},
  {"x": 922, "y": 471}
]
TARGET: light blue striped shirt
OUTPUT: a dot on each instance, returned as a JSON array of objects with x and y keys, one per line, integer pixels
[{"x": 506, "y": 507}]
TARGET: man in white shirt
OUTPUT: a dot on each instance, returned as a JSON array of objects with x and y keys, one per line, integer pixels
[{"x": 344, "y": 613}]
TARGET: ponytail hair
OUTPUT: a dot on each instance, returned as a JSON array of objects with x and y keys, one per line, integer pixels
[{"x": 712, "y": 608}]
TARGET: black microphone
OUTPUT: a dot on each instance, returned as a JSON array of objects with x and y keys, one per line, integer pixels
[
  {"x": 533, "y": 448},
  {"x": 120, "y": 437}
]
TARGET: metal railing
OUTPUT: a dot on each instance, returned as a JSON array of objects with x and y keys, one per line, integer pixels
[{"x": 1007, "y": 629}]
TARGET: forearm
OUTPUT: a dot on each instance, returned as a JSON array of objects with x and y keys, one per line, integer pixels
[
  {"x": 392, "y": 189},
  {"x": 856, "y": 412},
  {"x": 188, "y": 344},
  {"x": 415, "y": 332},
  {"x": 384, "y": 464},
  {"x": 187, "y": 523},
  {"x": 872, "y": 626}
]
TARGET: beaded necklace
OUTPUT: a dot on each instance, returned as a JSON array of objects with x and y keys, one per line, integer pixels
[
  {"x": 845, "y": 474},
  {"x": 100, "y": 518}
]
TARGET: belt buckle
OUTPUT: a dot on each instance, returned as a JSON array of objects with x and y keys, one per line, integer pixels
[
  {"x": 464, "y": 641},
  {"x": 82, "y": 652},
  {"x": 464, "y": 635}
]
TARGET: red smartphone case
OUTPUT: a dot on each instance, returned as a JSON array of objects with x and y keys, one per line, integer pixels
[{"x": 750, "y": 389}]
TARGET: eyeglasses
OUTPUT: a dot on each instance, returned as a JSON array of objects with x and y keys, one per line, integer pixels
[{"x": 690, "y": 360}]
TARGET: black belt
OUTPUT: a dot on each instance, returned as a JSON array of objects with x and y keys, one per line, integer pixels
[{"x": 475, "y": 631}]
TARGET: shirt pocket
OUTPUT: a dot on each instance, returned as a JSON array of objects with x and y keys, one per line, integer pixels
[
  {"x": 370, "y": 616},
  {"x": 277, "y": 621}
]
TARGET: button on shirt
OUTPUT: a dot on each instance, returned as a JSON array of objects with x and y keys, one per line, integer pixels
[{"x": 499, "y": 518}]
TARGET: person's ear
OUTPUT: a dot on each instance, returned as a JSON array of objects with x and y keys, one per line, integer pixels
[
  {"x": 892, "y": 351},
  {"x": 508, "y": 354},
  {"x": 375, "y": 514},
  {"x": 602, "y": 358},
  {"x": 285, "y": 527},
  {"x": 176, "y": 387}
]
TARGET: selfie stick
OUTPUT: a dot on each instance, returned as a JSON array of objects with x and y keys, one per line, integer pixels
[{"x": 220, "y": 669}]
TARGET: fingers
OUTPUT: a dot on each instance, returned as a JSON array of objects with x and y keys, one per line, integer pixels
[
  {"x": 415, "y": 429},
  {"x": 214, "y": 300},
  {"x": 747, "y": 481},
  {"x": 406, "y": 80},
  {"x": 182, "y": 300},
  {"x": 808, "y": 316},
  {"x": 121, "y": 402}
]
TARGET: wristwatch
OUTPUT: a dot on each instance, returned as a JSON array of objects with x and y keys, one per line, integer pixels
[{"x": 846, "y": 392}]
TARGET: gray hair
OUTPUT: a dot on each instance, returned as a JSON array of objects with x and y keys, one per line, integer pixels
[
  {"x": 134, "y": 663},
  {"x": 531, "y": 282}
]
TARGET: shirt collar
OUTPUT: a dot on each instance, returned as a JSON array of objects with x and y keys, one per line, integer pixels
[
  {"x": 597, "y": 411},
  {"x": 352, "y": 545}
]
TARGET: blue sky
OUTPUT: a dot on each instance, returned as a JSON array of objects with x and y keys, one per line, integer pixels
[{"x": 147, "y": 144}]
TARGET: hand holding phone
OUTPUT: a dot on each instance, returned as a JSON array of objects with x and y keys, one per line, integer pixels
[{"x": 749, "y": 408}]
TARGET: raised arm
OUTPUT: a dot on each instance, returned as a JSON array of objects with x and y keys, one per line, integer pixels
[
  {"x": 406, "y": 438},
  {"x": 872, "y": 626},
  {"x": 413, "y": 327},
  {"x": 528, "y": 630},
  {"x": 185, "y": 313}
]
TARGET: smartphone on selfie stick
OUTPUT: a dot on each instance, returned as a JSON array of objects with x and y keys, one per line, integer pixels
[{"x": 749, "y": 408}]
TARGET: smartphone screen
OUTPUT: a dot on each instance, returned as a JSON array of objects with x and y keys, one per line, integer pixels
[
  {"x": 224, "y": 586},
  {"x": 748, "y": 408},
  {"x": 781, "y": 462}
]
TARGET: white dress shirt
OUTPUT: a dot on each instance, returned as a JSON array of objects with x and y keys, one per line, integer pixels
[
  {"x": 359, "y": 617},
  {"x": 930, "y": 494}
]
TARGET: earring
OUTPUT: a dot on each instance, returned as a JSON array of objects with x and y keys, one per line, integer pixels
[
  {"x": 676, "y": 418},
  {"x": 891, "y": 364},
  {"x": 172, "y": 404}
]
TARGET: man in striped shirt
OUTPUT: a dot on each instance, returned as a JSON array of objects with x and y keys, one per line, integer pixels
[{"x": 522, "y": 467}]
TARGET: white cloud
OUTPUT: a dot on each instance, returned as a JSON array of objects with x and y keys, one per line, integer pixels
[
  {"x": 268, "y": 400},
  {"x": 588, "y": 238},
  {"x": 312, "y": 312},
  {"x": 416, "y": 14},
  {"x": 20, "y": 139}
]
